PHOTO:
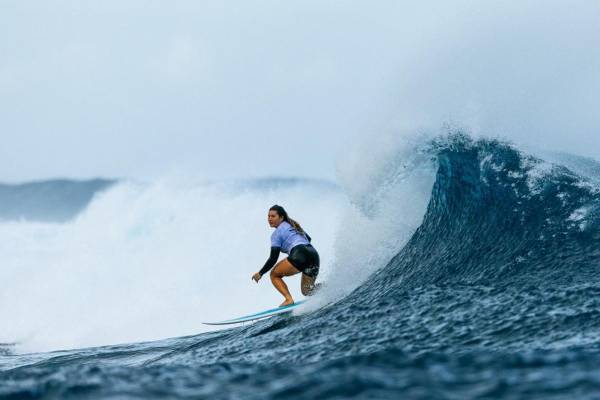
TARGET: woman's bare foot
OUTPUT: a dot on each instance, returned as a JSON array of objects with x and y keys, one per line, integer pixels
[{"x": 287, "y": 302}]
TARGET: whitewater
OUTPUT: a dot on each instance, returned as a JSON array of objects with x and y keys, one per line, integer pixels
[
  {"x": 149, "y": 260},
  {"x": 456, "y": 267}
]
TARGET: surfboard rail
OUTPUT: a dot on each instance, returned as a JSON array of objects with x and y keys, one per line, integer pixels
[{"x": 259, "y": 315}]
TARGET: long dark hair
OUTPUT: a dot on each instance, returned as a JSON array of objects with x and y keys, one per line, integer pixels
[{"x": 282, "y": 213}]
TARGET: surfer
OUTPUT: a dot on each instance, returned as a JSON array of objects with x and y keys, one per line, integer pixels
[{"x": 290, "y": 238}]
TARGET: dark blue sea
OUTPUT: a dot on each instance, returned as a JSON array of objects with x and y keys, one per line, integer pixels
[{"x": 494, "y": 296}]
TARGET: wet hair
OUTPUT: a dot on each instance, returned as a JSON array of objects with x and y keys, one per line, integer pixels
[{"x": 282, "y": 213}]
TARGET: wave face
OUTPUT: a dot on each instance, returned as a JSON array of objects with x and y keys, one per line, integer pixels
[
  {"x": 56, "y": 200},
  {"x": 494, "y": 295},
  {"x": 499, "y": 217}
]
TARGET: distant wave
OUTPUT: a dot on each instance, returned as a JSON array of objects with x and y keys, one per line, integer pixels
[
  {"x": 60, "y": 200},
  {"x": 57, "y": 200},
  {"x": 272, "y": 183}
]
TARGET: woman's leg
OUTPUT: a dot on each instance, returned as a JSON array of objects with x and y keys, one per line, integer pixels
[
  {"x": 283, "y": 268},
  {"x": 307, "y": 285}
]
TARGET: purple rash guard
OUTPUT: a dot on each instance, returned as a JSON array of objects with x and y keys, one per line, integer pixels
[{"x": 284, "y": 239}]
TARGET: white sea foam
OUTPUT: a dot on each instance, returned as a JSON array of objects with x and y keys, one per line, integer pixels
[
  {"x": 388, "y": 180},
  {"x": 151, "y": 261}
]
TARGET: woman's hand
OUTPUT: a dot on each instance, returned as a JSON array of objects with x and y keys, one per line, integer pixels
[{"x": 256, "y": 277}]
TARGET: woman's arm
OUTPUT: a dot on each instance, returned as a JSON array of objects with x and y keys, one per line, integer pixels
[{"x": 271, "y": 261}]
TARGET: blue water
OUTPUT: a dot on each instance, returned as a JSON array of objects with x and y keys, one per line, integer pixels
[{"x": 494, "y": 296}]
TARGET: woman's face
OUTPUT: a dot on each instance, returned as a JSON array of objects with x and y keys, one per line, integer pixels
[{"x": 274, "y": 219}]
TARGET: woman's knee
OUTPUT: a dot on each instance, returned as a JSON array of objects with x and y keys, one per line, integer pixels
[{"x": 275, "y": 274}]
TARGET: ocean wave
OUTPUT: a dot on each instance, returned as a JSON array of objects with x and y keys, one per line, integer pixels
[
  {"x": 498, "y": 216},
  {"x": 493, "y": 295}
]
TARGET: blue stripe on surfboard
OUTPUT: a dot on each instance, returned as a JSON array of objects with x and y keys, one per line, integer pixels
[
  {"x": 262, "y": 314},
  {"x": 278, "y": 309}
]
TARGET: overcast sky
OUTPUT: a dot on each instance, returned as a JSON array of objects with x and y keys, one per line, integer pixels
[{"x": 252, "y": 88}]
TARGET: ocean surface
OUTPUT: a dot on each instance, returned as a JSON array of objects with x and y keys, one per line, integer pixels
[{"x": 488, "y": 290}]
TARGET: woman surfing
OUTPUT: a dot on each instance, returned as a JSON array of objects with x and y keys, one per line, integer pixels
[{"x": 290, "y": 238}]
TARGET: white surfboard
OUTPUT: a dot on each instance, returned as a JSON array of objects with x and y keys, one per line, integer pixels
[{"x": 259, "y": 315}]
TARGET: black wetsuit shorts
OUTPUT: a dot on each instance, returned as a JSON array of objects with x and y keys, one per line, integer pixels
[{"x": 306, "y": 259}]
